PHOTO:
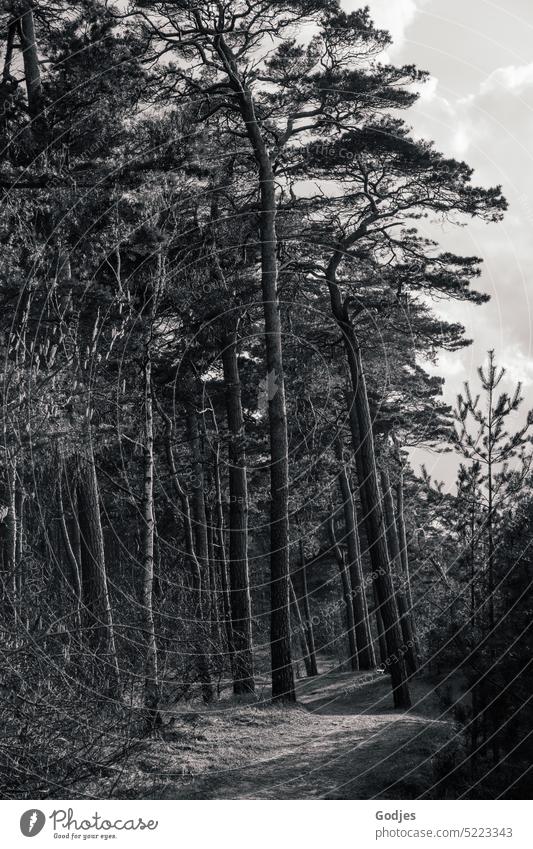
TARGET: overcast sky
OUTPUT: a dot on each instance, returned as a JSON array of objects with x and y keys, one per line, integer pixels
[{"x": 478, "y": 106}]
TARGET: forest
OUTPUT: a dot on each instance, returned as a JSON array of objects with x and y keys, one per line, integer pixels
[{"x": 225, "y": 571}]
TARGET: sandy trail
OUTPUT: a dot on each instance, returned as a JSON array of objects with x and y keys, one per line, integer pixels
[{"x": 342, "y": 741}]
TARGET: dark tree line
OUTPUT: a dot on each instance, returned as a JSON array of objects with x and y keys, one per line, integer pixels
[{"x": 216, "y": 291}]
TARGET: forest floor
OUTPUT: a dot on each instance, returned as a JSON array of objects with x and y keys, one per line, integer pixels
[{"x": 343, "y": 740}]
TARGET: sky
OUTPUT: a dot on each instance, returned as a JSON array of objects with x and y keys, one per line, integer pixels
[{"x": 478, "y": 106}]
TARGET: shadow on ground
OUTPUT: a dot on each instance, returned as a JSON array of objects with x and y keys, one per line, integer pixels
[{"x": 342, "y": 741}]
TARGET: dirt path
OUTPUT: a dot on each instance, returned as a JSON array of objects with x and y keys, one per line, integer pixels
[{"x": 343, "y": 741}]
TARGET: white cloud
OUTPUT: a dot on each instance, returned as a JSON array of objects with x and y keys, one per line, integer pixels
[
  {"x": 491, "y": 125},
  {"x": 513, "y": 78},
  {"x": 519, "y": 366},
  {"x": 498, "y": 120},
  {"x": 461, "y": 141}
]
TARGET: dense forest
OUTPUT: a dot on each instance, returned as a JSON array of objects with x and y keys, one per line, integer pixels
[{"x": 222, "y": 288}]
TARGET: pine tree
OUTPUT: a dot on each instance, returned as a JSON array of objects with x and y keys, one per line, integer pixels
[{"x": 483, "y": 436}]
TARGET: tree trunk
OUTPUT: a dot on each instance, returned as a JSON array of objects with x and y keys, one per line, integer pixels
[
  {"x": 300, "y": 578},
  {"x": 73, "y": 524},
  {"x": 201, "y": 545},
  {"x": 404, "y": 554},
  {"x": 490, "y": 532},
  {"x": 73, "y": 561},
  {"x": 241, "y": 611},
  {"x": 224, "y": 584},
  {"x": 301, "y": 632},
  {"x": 11, "y": 33},
  {"x": 194, "y": 566},
  {"x": 383, "y": 656},
  {"x": 12, "y": 524},
  {"x": 8, "y": 539},
  {"x": 363, "y": 443},
  {"x": 20, "y": 500},
  {"x": 197, "y": 503},
  {"x": 95, "y": 594},
  {"x": 151, "y": 675},
  {"x": 365, "y": 649},
  {"x": 32, "y": 70},
  {"x": 190, "y": 550},
  {"x": 402, "y": 537},
  {"x": 347, "y": 595},
  {"x": 214, "y": 589},
  {"x": 394, "y": 553},
  {"x": 473, "y": 561},
  {"x": 280, "y": 639},
  {"x": 282, "y": 672},
  {"x": 379, "y": 644}
]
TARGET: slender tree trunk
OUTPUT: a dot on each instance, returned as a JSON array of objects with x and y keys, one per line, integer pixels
[
  {"x": 201, "y": 547},
  {"x": 404, "y": 554},
  {"x": 490, "y": 530},
  {"x": 491, "y": 558},
  {"x": 473, "y": 561},
  {"x": 8, "y": 85},
  {"x": 8, "y": 538},
  {"x": 490, "y": 484},
  {"x": 12, "y": 524},
  {"x": 241, "y": 610},
  {"x": 383, "y": 655},
  {"x": 69, "y": 497},
  {"x": 95, "y": 594},
  {"x": 282, "y": 672},
  {"x": 363, "y": 443},
  {"x": 208, "y": 585},
  {"x": 402, "y": 537},
  {"x": 20, "y": 501},
  {"x": 185, "y": 515},
  {"x": 347, "y": 595},
  {"x": 280, "y": 641},
  {"x": 301, "y": 632},
  {"x": 378, "y": 642},
  {"x": 394, "y": 553},
  {"x": 197, "y": 500},
  {"x": 151, "y": 674},
  {"x": 194, "y": 565},
  {"x": 214, "y": 588},
  {"x": 386, "y": 608},
  {"x": 73, "y": 561},
  {"x": 8, "y": 56},
  {"x": 365, "y": 649},
  {"x": 32, "y": 70},
  {"x": 224, "y": 583},
  {"x": 211, "y": 582},
  {"x": 300, "y": 578}
]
